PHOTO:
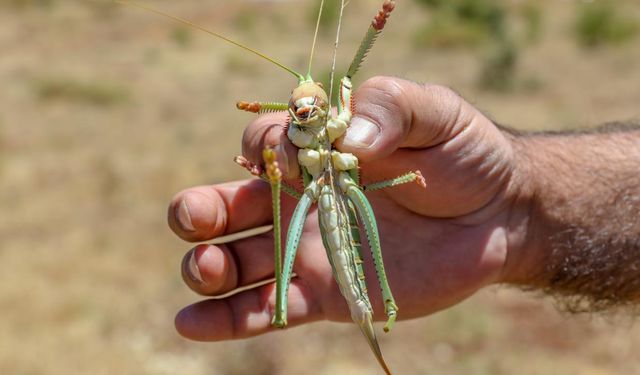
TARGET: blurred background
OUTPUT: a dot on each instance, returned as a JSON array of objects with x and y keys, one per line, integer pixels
[{"x": 107, "y": 111}]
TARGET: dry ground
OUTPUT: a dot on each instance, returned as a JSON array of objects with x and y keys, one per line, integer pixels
[{"x": 105, "y": 112}]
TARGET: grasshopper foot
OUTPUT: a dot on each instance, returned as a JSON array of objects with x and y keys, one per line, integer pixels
[
  {"x": 254, "y": 169},
  {"x": 392, "y": 313},
  {"x": 278, "y": 322}
]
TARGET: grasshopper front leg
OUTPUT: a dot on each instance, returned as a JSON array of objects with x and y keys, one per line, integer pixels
[
  {"x": 283, "y": 272},
  {"x": 274, "y": 176}
]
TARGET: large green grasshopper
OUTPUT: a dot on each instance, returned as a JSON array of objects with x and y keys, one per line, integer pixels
[{"x": 330, "y": 179}]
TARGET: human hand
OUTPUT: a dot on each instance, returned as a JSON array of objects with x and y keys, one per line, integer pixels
[{"x": 440, "y": 244}]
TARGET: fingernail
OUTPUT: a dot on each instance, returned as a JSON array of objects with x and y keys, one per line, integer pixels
[
  {"x": 190, "y": 268},
  {"x": 183, "y": 217},
  {"x": 361, "y": 133},
  {"x": 283, "y": 159}
]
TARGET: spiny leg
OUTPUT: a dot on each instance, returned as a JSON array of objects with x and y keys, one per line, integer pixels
[
  {"x": 283, "y": 274},
  {"x": 365, "y": 211},
  {"x": 261, "y": 107},
  {"x": 293, "y": 240},
  {"x": 338, "y": 125},
  {"x": 274, "y": 176},
  {"x": 370, "y": 37},
  {"x": 400, "y": 180}
]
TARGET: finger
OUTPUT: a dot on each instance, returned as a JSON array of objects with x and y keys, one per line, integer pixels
[
  {"x": 206, "y": 212},
  {"x": 392, "y": 113},
  {"x": 454, "y": 187},
  {"x": 269, "y": 131},
  {"x": 246, "y": 314},
  {"x": 210, "y": 270},
  {"x": 218, "y": 269}
]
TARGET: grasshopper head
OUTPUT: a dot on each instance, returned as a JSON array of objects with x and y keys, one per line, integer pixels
[{"x": 309, "y": 102}]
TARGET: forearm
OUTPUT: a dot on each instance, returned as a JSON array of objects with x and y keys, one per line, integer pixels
[{"x": 582, "y": 233}]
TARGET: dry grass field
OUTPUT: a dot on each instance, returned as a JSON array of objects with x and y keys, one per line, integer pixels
[{"x": 107, "y": 111}]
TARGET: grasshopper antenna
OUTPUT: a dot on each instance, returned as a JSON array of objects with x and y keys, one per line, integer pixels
[
  {"x": 315, "y": 38},
  {"x": 335, "y": 52},
  {"x": 213, "y": 33}
]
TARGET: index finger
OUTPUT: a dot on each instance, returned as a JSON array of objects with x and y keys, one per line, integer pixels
[{"x": 206, "y": 212}]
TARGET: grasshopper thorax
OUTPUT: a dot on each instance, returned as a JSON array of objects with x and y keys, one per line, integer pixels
[{"x": 309, "y": 103}]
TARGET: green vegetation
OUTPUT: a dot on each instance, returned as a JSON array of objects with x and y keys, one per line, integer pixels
[
  {"x": 246, "y": 20},
  {"x": 532, "y": 16},
  {"x": 485, "y": 26},
  {"x": 330, "y": 16},
  {"x": 181, "y": 36},
  {"x": 499, "y": 68},
  {"x": 462, "y": 23},
  {"x": 24, "y": 4},
  {"x": 600, "y": 23},
  {"x": 95, "y": 92},
  {"x": 473, "y": 23},
  {"x": 445, "y": 32}
]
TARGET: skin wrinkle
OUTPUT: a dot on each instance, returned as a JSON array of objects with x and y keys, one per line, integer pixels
[
  {"x": 471, "y": 155},
  {"x": 467, "y": 147},
  {"x": 234, "y": 261},
  {"x": 449, "y": 130},
  {"x": 222, "y": 216},
  {"x": 228, "y": 269}
]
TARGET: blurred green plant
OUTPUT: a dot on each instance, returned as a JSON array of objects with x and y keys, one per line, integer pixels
[
  {"x": 445, "y": 32},
  {"x": 498, "y": 70},
  {"x": 246, "y": 20},
  {"x": 485, "y": 24},
  {"x": 461, "y": 23},
  {"x": 330, "y": 15},
  {"x": 600, "y": 23},
  {"x": 25, "y": 4},
  {"x": 532, "y": 16},
  {"x": 95, "y": 92},
  {"x": 238, "y": 62},
  {"x": 181, "y": 36},
  {"x": 105, "y": 9}
]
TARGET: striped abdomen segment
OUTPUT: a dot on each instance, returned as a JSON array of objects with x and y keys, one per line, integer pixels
[{"x": 343, "y": 252}]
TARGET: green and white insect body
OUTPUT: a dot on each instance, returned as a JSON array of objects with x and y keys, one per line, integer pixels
[{"x": 329, "y": 182}]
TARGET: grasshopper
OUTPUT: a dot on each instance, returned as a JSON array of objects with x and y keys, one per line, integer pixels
[{"x": 330, "y": 179}]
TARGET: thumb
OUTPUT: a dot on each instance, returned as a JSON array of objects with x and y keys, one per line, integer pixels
[{"x": 393, "y": 113}]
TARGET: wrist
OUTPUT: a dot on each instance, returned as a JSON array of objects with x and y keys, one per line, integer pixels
[
  {"x": 575, "y": 193},
  {"x": 524, "y": 259}
]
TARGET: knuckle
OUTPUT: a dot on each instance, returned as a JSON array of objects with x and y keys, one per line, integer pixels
[
  {"x": 449, "y": 102},
  {"x": 442, "y": 94}
]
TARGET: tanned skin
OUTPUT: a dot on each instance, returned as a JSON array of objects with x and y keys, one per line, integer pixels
[
  {"x": 584, "y": 237},
  {"x": 559, "y": 213}
]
